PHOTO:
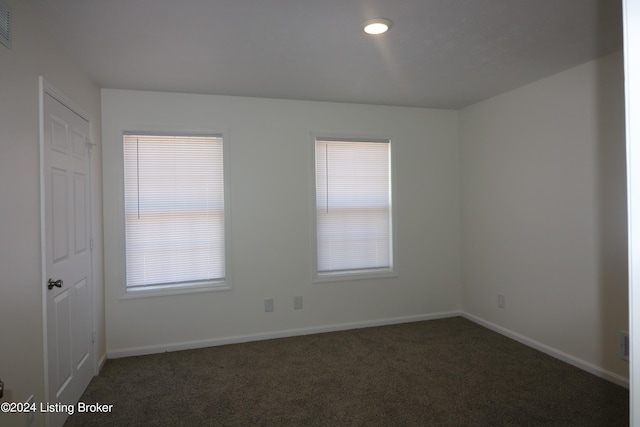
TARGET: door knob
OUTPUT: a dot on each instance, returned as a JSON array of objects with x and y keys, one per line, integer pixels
[{"x": 57, "y": 283}]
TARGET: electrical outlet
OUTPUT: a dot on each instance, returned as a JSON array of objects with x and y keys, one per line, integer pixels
[
  {"x": 501, "y": 301},
  {"x": 268, "y": 305},
  {"x": 297, "y": 303},
  {"x": 624, "y": 345}
]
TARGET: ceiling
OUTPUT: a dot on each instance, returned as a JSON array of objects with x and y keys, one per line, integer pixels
[{"x": 438, "y": 54}]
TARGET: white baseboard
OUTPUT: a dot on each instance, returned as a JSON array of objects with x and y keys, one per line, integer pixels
[
  {"x": 139, "y": 351},
  {"x": 572, "y": 360},
  {"x": 102, "y": 361}
]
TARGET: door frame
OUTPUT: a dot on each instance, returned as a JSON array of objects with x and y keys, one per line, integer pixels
[{"x": 46, "y": 88}]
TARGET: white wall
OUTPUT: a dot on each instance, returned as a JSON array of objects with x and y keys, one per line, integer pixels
[
  {"x": 632, "y": 94},
  {"x": 269, "y": 171},
  {"x": 34, "y": 53},
  {"x": 544, "y": 213}
]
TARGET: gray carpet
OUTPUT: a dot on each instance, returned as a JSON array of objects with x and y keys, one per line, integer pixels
[{"x": 448, "y": 372}]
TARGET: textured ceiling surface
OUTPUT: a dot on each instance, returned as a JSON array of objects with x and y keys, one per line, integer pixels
[{"x": 439, "y": 53}]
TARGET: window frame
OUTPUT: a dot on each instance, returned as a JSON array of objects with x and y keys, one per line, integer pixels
[
  {"x": 177, "y": 288},
  {"x": 355, "y": 274}
]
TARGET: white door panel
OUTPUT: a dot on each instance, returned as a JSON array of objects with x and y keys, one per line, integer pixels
[
  {"x": 80, "y": 208},
  {"x": 61, "y": 343},
  {"x": 69, "y": 313}
]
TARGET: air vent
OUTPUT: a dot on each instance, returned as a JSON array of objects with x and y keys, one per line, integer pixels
[
  {"x": 5, "y": 24},
  {"x": 624, "y": 345}
]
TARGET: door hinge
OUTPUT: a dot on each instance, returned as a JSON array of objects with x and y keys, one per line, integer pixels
[
  {"x": 89, "y": 143},
  {"x": 93, "y": 336},
  {"x": 91, "y": 243}
]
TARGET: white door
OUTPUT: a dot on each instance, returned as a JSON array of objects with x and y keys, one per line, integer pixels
[{"x": 67, "y": 287}]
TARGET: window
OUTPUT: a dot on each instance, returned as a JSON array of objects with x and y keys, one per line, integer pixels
[
  {"x": 353, "y": 211},
  {"x": 174, "y": 191}
]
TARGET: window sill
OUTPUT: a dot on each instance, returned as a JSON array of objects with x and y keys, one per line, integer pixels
[
  {"x": 178, "y": 289},
  {"x": 343, "y": 276}
]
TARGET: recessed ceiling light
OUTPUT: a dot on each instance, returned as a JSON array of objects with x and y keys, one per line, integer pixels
[{"x": 376, "y": 26}]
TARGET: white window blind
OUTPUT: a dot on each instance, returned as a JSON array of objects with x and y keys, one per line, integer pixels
[
  {"x": 174, "y": 209},
  {"x": 353, "y": 205}
]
